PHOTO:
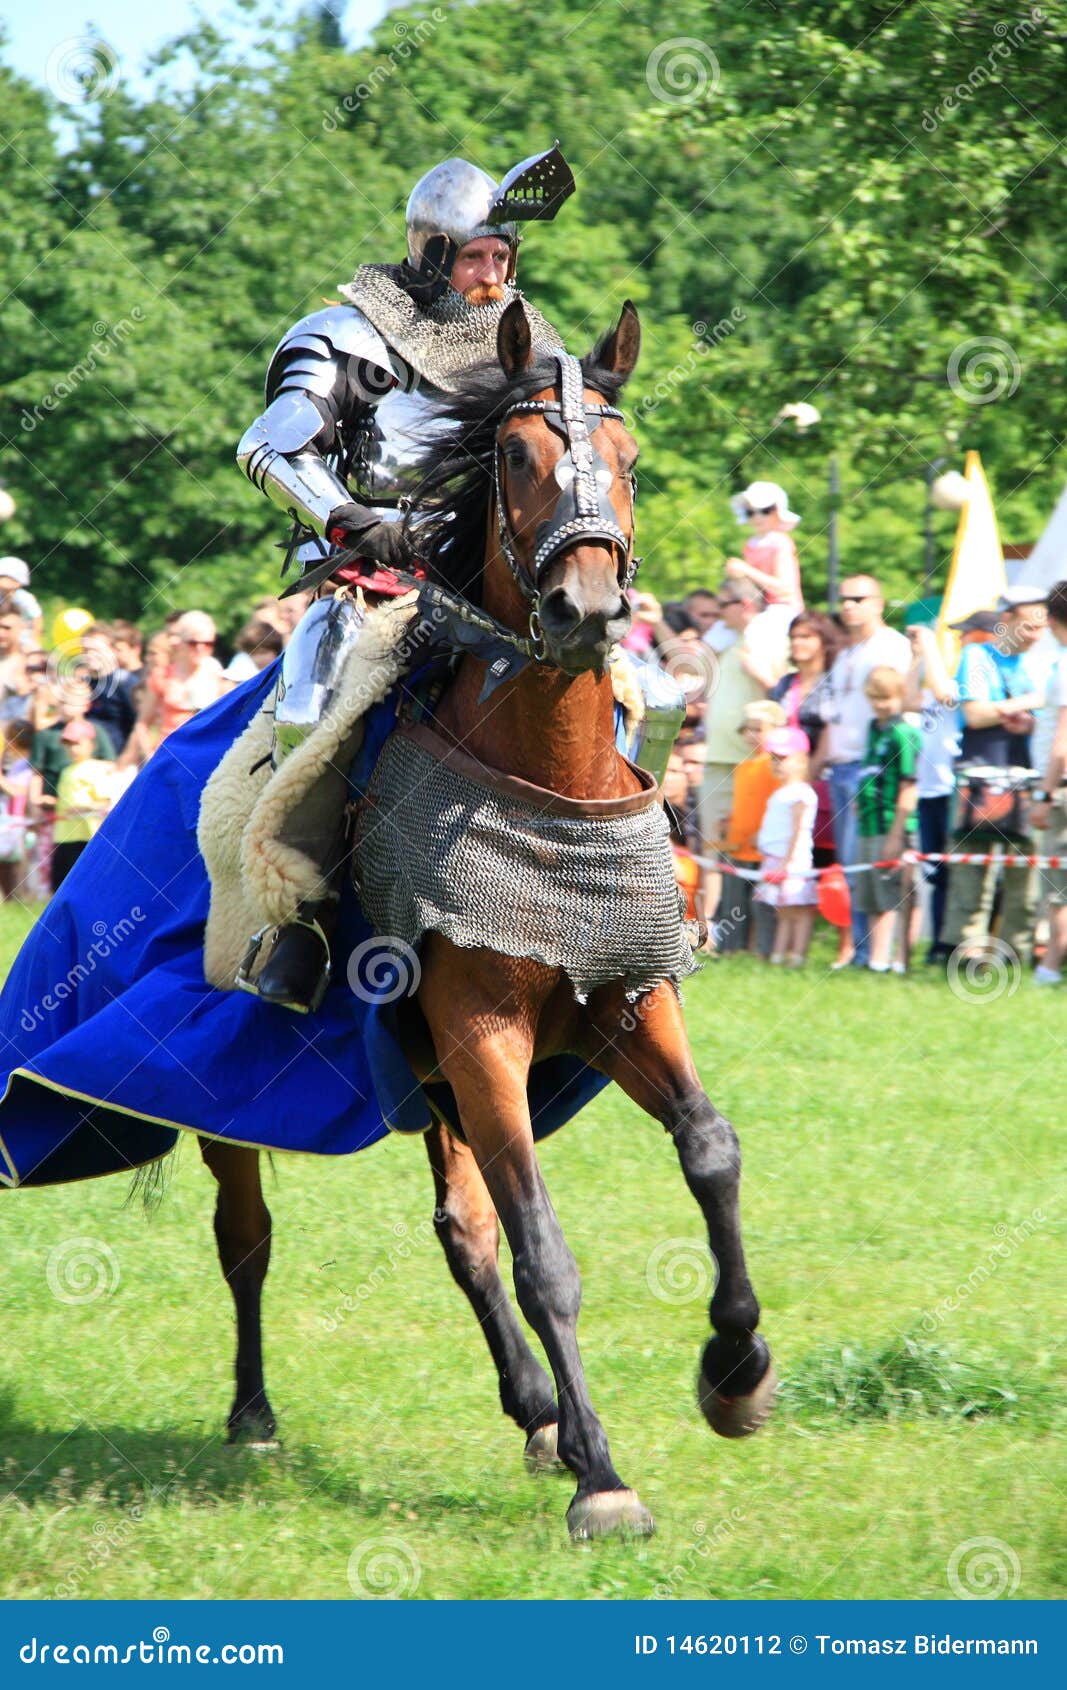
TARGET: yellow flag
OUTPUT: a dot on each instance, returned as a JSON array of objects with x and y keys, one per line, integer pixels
[{"x": 976, "y": 576}]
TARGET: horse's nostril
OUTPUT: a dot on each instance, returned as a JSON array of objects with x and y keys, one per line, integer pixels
[{"x": 559, "y": 613}]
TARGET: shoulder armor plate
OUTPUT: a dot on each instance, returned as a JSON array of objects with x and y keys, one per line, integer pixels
[{"x": 329, "y": 345}]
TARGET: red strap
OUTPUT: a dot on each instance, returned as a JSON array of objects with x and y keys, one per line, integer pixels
[{"x": 375, "y": 580}]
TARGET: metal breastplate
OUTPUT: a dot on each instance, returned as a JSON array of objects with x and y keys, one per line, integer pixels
[{"x": 387, "y": 442}]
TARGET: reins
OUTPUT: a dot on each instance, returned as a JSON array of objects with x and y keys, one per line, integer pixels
[{"x": 583, "y": 511}]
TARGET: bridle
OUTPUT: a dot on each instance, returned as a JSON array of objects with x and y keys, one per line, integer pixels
[{"x": 583, "y": 511}]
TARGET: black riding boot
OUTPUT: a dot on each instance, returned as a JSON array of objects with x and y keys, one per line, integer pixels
[{"x": 297, "y": 971}]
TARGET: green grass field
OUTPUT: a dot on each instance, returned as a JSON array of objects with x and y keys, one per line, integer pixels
[{"x": 904, "y": 1231}]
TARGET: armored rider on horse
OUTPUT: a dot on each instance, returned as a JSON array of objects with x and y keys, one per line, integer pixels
[{"x": 350, "y": 391}]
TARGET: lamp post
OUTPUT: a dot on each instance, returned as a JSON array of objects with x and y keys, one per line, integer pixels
[
  {"x": 831, "y": 535},
  {"x": 946, "y": 492},
  {"x": 928, "y": 524},
  {"x": 804, "y": 416}
]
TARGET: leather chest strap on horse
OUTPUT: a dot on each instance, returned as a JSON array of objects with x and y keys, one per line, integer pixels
[{"x": 538, "y": 798}]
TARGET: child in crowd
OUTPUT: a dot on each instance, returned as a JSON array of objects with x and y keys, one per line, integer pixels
[
  {"x": 886, "y": 812},
  {"x": 16, "y": 778},
  {"x": 770, "y": 561},
  {"x": 83, "y": 796},
  {"x": 738, "y": 920},
  {"x": 786, "y": 840}
]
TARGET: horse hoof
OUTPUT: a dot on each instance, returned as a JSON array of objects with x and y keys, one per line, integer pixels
[
  {"x": 541, "y": 1454},
  {"x": 253, "y": 1431},
  {"x": 609, "y": 1511},
  {"x": 737, "y": 1417}
]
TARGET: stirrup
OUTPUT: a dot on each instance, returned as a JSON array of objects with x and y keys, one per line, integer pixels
[
  {"x": 243, "y": 978},
  {"x": 696, "y": 930}
]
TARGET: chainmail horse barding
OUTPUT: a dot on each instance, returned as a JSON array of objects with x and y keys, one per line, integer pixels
[{"x": 551, "y": 495}]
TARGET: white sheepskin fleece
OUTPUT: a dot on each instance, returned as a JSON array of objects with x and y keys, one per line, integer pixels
[{"x": 257, "y": 880}]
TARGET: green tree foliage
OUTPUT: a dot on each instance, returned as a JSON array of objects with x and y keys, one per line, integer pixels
[{"x": 820, "y": 203}]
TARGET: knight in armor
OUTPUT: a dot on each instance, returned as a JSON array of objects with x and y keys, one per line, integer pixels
[{"x": 348, "y": 393}]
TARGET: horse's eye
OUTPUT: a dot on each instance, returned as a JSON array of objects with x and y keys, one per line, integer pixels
[{"x": 515, "y": 456}]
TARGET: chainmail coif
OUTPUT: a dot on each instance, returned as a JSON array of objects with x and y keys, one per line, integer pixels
[
  {"x": 443, "y": 340},
  {"x": 593, "y": 895}
]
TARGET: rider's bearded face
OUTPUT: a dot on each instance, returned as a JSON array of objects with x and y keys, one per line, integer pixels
[{"x": 480, "y": 270}]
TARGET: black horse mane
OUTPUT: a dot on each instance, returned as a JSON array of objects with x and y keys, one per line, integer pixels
[{"x": 446, "y": 530}]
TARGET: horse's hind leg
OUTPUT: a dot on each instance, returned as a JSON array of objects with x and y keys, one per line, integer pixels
[
  {"x": 466, "y": 1223},
  {"x": 242, "y": 1231},
  {"x": 645, "y": 1049}
]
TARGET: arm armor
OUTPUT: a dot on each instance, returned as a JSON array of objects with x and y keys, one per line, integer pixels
[{"x": 327, "y": 367}]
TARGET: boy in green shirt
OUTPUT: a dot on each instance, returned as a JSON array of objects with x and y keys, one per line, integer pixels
[{"x": 886, "y": 811}]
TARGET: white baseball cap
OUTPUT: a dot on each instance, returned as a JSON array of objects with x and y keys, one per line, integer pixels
[
  {"x": 763, "y": 496},
  {"x": 15, "y": 569},
  {"x": 1012, "y": 598}
]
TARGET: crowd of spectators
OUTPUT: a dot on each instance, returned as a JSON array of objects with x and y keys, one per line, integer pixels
[
  {"x": 79, "y": 718},
  {"x": 823, "y": 757}
]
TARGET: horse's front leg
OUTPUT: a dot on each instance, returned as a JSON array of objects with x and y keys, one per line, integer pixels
[
  {"x": 484, "y": 1049},
  {"x": 466, "y": 1223},
  {"x": 243, "y": 1234},
  {"x": 644, "y": 1048}
]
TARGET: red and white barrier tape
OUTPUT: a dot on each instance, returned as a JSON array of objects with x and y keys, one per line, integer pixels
[
  {"x": 42, "y": 821},
  {"x": 976, "y": 858}
]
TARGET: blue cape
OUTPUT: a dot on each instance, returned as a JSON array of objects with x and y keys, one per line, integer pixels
[{"x": 111, "y": 1039}]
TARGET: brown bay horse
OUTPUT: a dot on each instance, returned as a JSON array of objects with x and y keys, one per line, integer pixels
[{"x": 480, "y": 1019}]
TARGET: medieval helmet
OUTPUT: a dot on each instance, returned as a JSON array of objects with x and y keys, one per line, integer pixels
[
  {"x": 455, "y": 202},
  {"x": 453, "y": 199}
]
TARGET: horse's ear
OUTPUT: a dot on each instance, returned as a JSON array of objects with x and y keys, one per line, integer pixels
[
  {"x": 619, "y": 350},
  {"x": 514, "y": 347}
]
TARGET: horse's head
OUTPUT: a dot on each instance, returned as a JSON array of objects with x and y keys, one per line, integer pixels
[{"x": 564, "y": 491}]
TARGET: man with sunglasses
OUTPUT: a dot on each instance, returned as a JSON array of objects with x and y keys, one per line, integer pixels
[
  {"x": 869, "y": 644},
  {"x": 1001, "y": 688}
]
